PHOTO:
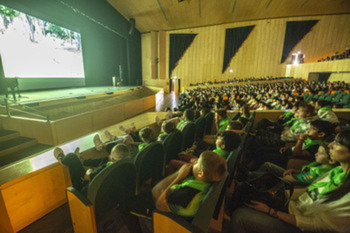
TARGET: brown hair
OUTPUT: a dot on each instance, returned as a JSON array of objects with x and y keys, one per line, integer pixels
[
  {"x": 147, "y": 135},
  {"x": 213, "y": 165}
]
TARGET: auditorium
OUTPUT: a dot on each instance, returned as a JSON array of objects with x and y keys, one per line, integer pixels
[{"x": 169, "y": 116}]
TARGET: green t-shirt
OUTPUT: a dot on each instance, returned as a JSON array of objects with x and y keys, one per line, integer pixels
[
  {"x": 312, "y": 172},
  {"x": 223, "y": 124},
  {"x": 221, "y": 152},
  {"x": 181, "y": 123},
  {"x": 185, "y": 198},
  {"x": 336, "y": 177},
  {"x": 143, "y": 146}
]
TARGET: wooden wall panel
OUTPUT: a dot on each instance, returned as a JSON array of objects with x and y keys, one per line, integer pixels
[{"x": 260, "y": 54}]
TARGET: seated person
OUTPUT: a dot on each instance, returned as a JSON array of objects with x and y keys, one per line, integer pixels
[
  {"x": 147, "y": 136},
  {"x": 324, "y": 111},
  {"x": 305, "y": 148},
  {"x": 307, "y": 144},
  {"x": 183, "y": 191},
  {"x": 180, "y": 122},
  {"x": 114, "y": 140},
  {"x": 236, "y": 127},
  {"x": 305, "y": 115},
  {"x": 221, "y": 123},
  {"x": 81, "y": 177},
  {"x": 225, "y": 143},
  {"x": 168, "y": 127},
  {"x": 306, "y": 175},
  {"x": 188, "y": 117},
  {"x": 323, "y": 207}
]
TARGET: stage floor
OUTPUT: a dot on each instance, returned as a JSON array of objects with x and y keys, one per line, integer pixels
[{"x": 49, "y": 95}]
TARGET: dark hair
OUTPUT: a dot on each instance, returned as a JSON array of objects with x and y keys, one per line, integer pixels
[
  {"x": 169, "y": 126},
  {"x": 189, "y": 114},
  {"x": 323, "y": 126},
  {"x": 343, "y": 138},
  {"x": 222, "y": 113},
  {"x": 147, "y": 135},
  {"x": 231, "y": 140},
  {"x": 308, "y": 107},
  {"x": 323, "y": 103},
  {"x": 235, "y": 125}
]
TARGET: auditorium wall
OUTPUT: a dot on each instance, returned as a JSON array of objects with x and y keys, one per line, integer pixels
[{"x": 259, "y": 55}]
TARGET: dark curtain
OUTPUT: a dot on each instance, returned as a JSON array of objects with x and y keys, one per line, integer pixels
[
  {"x": 178, "y": 45},
  {"x": 295, "y": 31},
  {"x": 233, "y": 41}
]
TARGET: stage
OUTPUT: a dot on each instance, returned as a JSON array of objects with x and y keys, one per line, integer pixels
[{"x": 28, "y": 97}]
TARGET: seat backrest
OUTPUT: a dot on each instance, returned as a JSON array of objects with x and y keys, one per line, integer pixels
[
  {"x": 209, "y": 117},
  {"x": 200, "y": 127},
  {"x": 149, "y": 163},
  {"x": 232, "y": 159},
  {"x": 112, "y": 186},
  {"x": 188, "y": 133},
  {"x": 207, "y": 207},
  {"x": 172, "y": 146}
]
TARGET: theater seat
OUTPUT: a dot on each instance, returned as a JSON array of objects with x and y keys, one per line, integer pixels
[
  {"x": 112, "y": 187},
  {"x": 171, "y": 223},
  {"x": 200, "y": 127},
  {"x": 149, "y": 165},
  {"x": 172, "y": 146},
  {"x": 188, "y": 133}
]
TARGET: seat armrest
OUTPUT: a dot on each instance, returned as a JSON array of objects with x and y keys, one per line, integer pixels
[
  {"x": 79, "y": 195},
  {"x": 169, "y": 222}
]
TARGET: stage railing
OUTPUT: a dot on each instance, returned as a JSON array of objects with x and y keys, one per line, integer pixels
[{"x": 38, "y": 113}]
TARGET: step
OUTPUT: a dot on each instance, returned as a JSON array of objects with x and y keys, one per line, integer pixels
[
  {"x": 16, "y": 144},
  {"x": 8, "y": 134},
  {"x": 23, "y": 154}
]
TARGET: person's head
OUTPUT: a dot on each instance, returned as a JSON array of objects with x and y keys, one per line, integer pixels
[
  {"x": 210, "y": 167},
  {"x": 118, "y": 152},
  {"x": 321, "y": 104},
  {"x": 189, "y": 115},
  {"x": 305, "y": 110},
  {"x": 322, "y": 156},
  {"x": 147, "y": 135},
  {"x": 234, "y": 125},
  {"x": 220, "y": 114},
  {"x": 296, "y": 106},
  {"x": 244, "y": 110},
  {"x": 320, "y": 129},
  {"x": 168, "y": 126},
  {"x": 339, "y": 149},
  {"x": 228, "y": 140}
]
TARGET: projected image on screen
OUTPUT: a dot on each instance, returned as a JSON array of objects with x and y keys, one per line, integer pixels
[{"x": 33, "y": 48}]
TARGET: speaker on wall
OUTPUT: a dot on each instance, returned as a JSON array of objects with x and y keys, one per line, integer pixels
[{"x": 132, "y": 26}]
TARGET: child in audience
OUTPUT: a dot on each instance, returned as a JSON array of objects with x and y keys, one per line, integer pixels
[
  {"x": 308, "y": 173},
  {"x": 324, "y": 207},
  {"x": 305, "y": 148},
  {"x": 147, "y": 136},
  {"x": 225, "y": 143},
  {"x": 221, "y": 120},
  {"x": 324, "y": 111},
  {"x": 236, "y": 127},
  {"x": 182, "y": 192},
  {"x": 114, "y": 140},
  {"x": 305, "y": 115},
  {"x": 81, "y": 177},
  {"x": 307, "y": 144},
  {"x": 168, "y": 127}
]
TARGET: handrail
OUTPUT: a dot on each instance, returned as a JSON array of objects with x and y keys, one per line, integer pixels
[
  {"x": 36, "y": 110},
  {"x": 8, "y": 108}
]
